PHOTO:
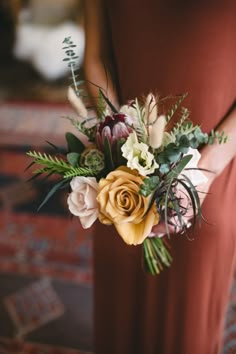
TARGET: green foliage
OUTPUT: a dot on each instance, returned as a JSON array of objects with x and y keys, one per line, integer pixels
[
  {"x": 73, "y": 158},
  {"x": 149, "y": 185},
  {"x": 74, "y": 144},
  {"x": 52, "y": 164},
  {"x": 81, "y": 127},
  {"x": 52, "y": 191},
  {"x": 119, "y": 157},
  {"x": 221, "y": 137},
  {"x": 109, "y": 163},
  {"x": 175, "y": 171},
  {"x": 79, "y": 171},
  {"x": 105, "y": 98},
  {"x": 174, "y": 108},
  {"x": 71, "y": 58},
  {"x": 55, "y": 165}
]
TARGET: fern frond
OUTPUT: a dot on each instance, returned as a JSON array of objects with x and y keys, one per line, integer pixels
[
  {"x": 52, "y": 164},
  {"x": 182, "y": 128},
  {"x": 78, "y": 171},
  {"x": 174, "y": 108}
]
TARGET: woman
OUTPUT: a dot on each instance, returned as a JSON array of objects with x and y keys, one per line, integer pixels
[{"x": 169, "y": 47}]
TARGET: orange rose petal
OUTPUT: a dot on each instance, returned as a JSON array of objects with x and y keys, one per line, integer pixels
[{"x": 134, "y": 234}]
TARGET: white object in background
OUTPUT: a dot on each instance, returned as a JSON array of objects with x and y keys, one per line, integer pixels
[{"x": 42, "y": 47}]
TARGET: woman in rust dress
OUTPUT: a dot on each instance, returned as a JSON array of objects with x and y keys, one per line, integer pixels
[{"x": 169, "y": 47}]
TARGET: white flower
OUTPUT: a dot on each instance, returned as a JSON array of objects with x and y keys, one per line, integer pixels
[
  {"x": 191, "y": 170},
  {"x": 77, "y": 103},
  {"x": 138, "y": 156},
  {"x": 157, "y": 132},
  {"x": 82, "y": 200}
]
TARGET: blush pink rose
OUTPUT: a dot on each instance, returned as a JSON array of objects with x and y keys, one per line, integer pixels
[{"x": 82, "y": 200}]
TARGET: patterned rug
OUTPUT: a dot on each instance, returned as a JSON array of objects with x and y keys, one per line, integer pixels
[
  {"x": 48, "y": 242},
  {"x": 45, "y": 266},
  {"x": 21, "y": 347}
]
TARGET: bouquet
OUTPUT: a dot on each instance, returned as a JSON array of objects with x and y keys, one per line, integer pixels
[{"x": 137, "y": 166}]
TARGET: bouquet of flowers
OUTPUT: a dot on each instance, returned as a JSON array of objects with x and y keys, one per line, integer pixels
[{"x": 134, "y": 169}]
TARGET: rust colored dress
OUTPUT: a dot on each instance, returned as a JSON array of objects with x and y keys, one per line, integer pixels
[{"x": 172, "y": 47}]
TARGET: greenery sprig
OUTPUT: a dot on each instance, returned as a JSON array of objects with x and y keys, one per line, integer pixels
[
  {"x": 71, "y": 58},
  {"x": 57, "y": 166}
]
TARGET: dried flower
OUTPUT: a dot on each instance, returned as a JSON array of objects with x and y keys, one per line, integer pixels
[
  {"x": 156, "y": 132},
  {"x": 77, "y": 103},
  {"x": 150, "y": 109}
]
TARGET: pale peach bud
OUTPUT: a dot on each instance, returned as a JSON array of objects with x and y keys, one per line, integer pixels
[
  {"x": 150, "y": 109},
  {"x": 157, "y": 132},
  {"x": 77, "y": 103}
]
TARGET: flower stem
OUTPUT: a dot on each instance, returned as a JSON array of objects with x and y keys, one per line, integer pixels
[{"x": 156, "y": 255}]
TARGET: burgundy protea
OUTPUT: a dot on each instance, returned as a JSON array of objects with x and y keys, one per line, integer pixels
[{"x": 114, "y": 128}]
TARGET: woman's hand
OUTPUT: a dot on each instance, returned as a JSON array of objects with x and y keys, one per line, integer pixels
[{"x": 203, "y": 191}]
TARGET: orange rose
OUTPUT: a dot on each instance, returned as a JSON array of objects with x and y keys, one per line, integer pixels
[{"x": 121, "y": 204}]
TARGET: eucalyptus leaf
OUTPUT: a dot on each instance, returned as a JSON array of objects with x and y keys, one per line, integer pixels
[
  {"x": 73, "y": 158},
  {"x": 164, "y": 168},
  {"x": 174, "y": 173}
]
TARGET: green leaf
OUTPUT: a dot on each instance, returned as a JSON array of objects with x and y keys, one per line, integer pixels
[
  {"x": 108, "y": 155},
  {"x": 79, "y": 171},
  {"x": 120, "y": 159},
  {"x": 149, "y": 185},
  {"x": 176, "y": 208},
  {"x": 52, "y": 192},
  {"x": 114, "y": 110},
  {"x": 73, "y": 158},
  {"x": 74, "y": 144},
  {"x": 166, "y": 205},
  {"x": 174, "y": 108},
  {"x": 174, "y": 173},
  {"x": 196, "y": 196},
  {"x": 191, "y": 196},
  {"x": 164, "y": 168}
]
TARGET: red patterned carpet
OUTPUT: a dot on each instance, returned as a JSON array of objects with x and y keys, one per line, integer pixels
[{"x": 45, "y": 266}]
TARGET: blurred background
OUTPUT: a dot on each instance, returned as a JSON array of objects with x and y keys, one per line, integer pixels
[{"x": 45, "y": 257}]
